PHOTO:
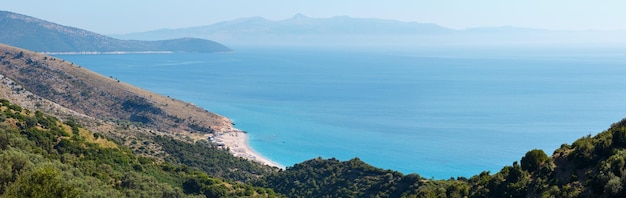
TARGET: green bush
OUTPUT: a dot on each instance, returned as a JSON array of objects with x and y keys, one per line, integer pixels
[{"x": 533, "y": 159}]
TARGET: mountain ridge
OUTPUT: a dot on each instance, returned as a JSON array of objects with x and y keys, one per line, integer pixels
[
  {"x": 44, "y": 36},
  {"x": 297, "y": 26},
  {"x": 348, "y": 31}
]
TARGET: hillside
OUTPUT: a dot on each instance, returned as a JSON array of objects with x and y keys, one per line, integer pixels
[
  {"x": 103, "y": 97},
  {"x": 150, "y": 124},
  {"x": 43, "y": 36},
  {"x": 44, "y": 157}
]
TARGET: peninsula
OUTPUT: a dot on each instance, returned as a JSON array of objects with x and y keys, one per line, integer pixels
[{"x": 43, "y": 36}]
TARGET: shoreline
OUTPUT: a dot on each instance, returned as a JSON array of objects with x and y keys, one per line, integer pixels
[
  {"x": 107, "y": 52},
  {"x": 237, "y": 142}
]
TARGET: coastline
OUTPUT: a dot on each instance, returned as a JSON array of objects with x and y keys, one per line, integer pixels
[
  {"x": 111, "y": 52},
  {"x": 237, "y": 142}
]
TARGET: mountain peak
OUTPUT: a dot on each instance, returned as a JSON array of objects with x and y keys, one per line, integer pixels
[{"x": 299, "y": 16}]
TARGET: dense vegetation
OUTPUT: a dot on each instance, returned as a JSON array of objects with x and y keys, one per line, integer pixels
[
  {"x": 354, "y": 178},
  {"x": 44, "y": 157},
  {"x": 208, "y": 158}
]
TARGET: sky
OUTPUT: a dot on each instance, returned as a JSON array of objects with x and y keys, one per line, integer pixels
[{"x": 118, "y": 17}]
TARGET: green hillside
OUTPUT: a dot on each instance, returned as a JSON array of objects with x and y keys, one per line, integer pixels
[{"x": 45, "y": 157}]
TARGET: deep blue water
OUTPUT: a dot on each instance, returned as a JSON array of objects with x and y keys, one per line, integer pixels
[{"x": 439, "y": 114}]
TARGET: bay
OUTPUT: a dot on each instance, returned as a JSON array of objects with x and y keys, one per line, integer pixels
[{"x": 439, "y": 113}]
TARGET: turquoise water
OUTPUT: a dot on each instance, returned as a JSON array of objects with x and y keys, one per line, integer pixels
[{"x": 440, "y": 113}]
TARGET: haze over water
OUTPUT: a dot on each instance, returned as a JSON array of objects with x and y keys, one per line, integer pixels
[{"x": 440, "y": 114}]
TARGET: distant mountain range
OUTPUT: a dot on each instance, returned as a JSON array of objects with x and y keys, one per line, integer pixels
[
  {"x": 43, "y": 36},
  {"x": 297, "y": 25},
  {"x": 344, "y": 30}
]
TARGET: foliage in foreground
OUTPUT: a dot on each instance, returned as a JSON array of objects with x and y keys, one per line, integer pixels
[{"x": 43, "y": 157}]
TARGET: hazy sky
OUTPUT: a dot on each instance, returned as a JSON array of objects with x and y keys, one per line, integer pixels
[{"x": 117, "y": 16}]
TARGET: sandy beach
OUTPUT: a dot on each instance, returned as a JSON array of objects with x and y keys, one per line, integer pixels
[{"x": 237, "y": 142}]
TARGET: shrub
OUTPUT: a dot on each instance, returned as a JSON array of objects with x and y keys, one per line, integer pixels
[{"x": 533, "y": 159}]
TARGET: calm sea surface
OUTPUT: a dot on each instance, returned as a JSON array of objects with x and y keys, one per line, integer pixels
[{"x": 438, "y": 114}]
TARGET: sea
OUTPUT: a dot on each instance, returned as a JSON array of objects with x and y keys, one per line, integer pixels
[{"x": 440, "y": 113}]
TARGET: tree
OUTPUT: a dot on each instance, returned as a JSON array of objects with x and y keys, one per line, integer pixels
[
  {"x": 533, "y": 159},
  {"x": 45, "y": 181}
]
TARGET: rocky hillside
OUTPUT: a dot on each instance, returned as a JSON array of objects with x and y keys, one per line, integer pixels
[
  {"x": 43, "y": 36},
  {"x": 150, "y": 124},
  {"x": 104, "y": 104},
  {"x": 101, "y": 97}
]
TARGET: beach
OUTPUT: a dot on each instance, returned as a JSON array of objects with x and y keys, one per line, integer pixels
[{"x": 237, "y": 142}]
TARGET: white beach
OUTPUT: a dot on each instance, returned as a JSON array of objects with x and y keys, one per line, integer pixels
[{"x": 237, "y": 142}]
